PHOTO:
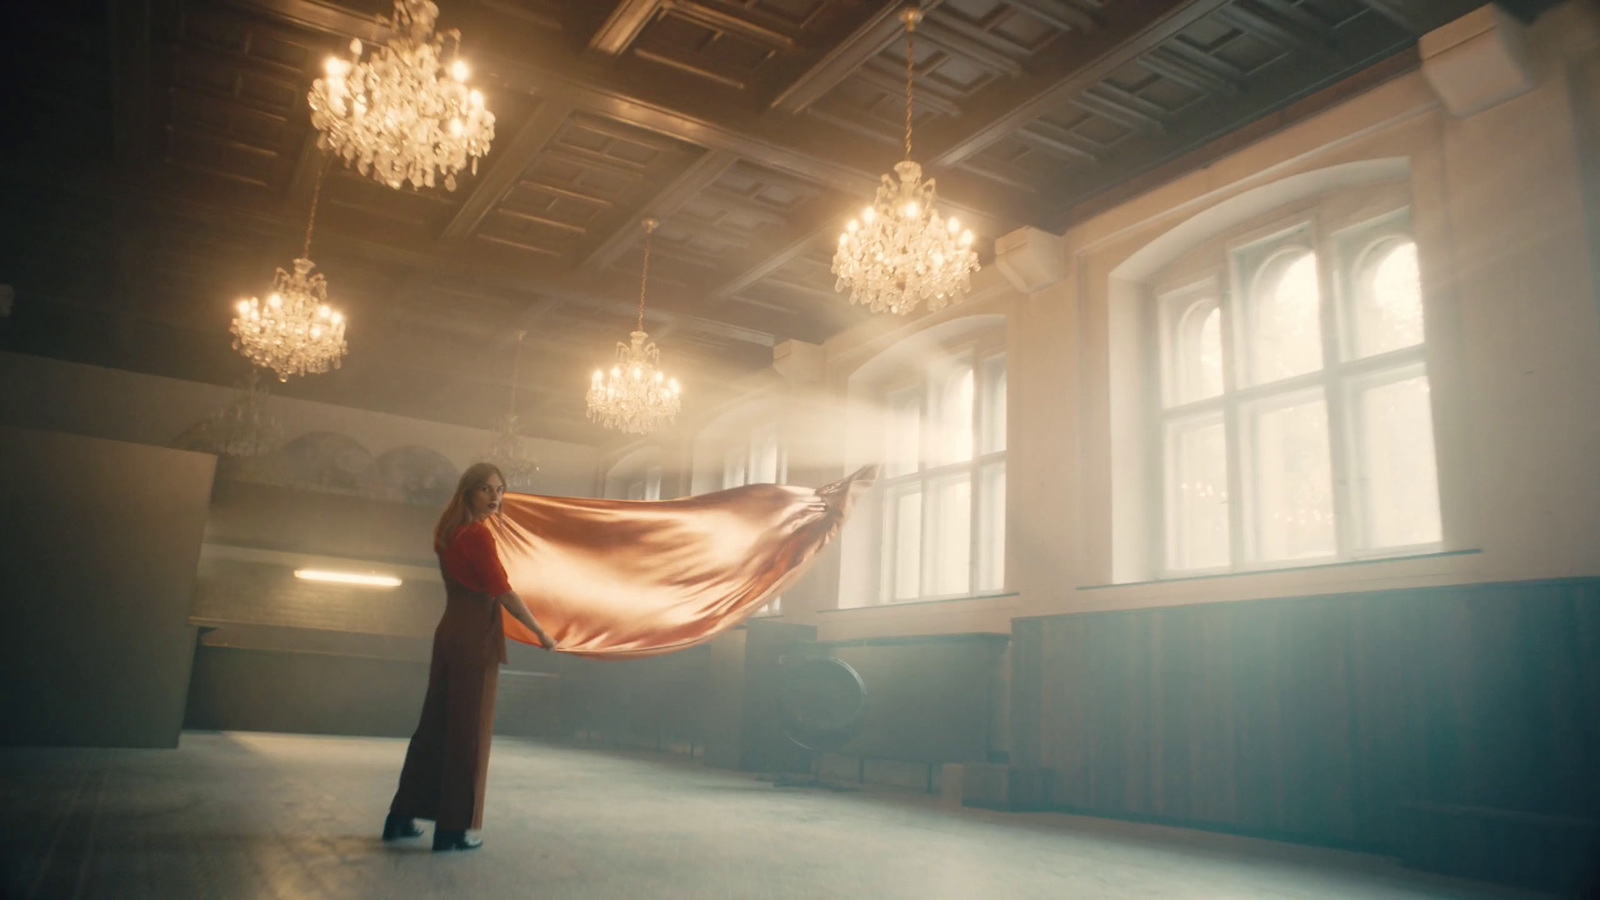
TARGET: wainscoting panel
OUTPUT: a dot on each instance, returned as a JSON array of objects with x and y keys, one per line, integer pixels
[{"x": 1331, "y": 719}]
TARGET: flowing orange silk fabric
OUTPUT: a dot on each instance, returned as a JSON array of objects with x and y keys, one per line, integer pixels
[{"x": 611, "y": 578}]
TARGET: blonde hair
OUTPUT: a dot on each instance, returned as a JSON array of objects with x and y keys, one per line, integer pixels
[{"x": 457, "y": 513}]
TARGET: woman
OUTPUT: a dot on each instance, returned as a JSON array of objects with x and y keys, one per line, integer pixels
[{"x": 448, "y": 759}]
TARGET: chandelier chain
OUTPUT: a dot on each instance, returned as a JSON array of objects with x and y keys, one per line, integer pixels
[
  {"x": 911, "y": 25},
  {"x": 644, "y": 270},
  {"x": 316, "y": 195},
  {"x": 516, "y": 370}
]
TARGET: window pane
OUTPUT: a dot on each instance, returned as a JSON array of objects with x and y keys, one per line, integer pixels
[
  {"x": 904, "y": 434},
  {"x": 952, "y": 412},
  {"x": 733, "y": 461},
  {"x": 1197, "y": 352},
  {"x": 1400, "y": 483},
  {"x": 992, "y": 530},
  {"x": 950, "y": 550},
  {"x": 993, "y": 439},
  {"x": 764, "y": 456},
  {"x": 635, "y": 490},
  {"x": 1197, "y": 495},
  {"x": 1293, "y": 487},
  {"x": 652, "y": 483},
  {"x": 903, "y": 544},
  {"x": 1286, "y": 334},
  {"x": 1388, "y": 299}
]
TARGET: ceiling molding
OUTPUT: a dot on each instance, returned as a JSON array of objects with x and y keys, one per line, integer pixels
[{"x": 527, "y": 143}]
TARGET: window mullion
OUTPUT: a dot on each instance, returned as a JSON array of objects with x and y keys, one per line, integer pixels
[
  {"x": 1339, "y": 434},
  {"x": 1232, "y": 438},
  {"x": 975, "y": 499}
]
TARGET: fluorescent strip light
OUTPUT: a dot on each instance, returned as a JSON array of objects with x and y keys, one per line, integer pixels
[{"x": 386, "y": 581}]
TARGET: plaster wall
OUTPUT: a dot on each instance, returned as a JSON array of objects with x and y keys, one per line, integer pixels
[
  {"x": 1504, "y": 212},
  {"x": 36, "y": 392}
]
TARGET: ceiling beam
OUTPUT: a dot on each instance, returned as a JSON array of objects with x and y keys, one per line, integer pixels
[
  {"x": 528, "y": 143},
  {"x": 1059, "y": 14},
  {"x": 696, "y": 177},
  {"x": 1131, "y": 29},
  {"x": 773, "y": 261},
  {"x": 783, "y": 144},
  {"x": 846, "y": 57},
  {"x": 1210, "y": 133},
  {"x": 943, "y": 36},
  {"x": 692, "y": 308},
  {"x": 620, "y": 29},
  {"x": 716, "y": 20},
  {"x": 1411, "y": 16},
  {"x": 1284, "y": 26}
]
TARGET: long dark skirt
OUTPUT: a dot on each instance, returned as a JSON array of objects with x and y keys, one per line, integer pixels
[{"x": 447, "y": 763}]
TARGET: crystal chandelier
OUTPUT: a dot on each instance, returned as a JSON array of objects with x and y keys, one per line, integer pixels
[
  {"x": 293, "y": 331},
  {"x": 901, "y": 251},
  {"x": 634, "y": 396},
  {"x": 245, "y": 428},
  {"x": 402, "y": 114},
  {"x": 507, "y": 450}
]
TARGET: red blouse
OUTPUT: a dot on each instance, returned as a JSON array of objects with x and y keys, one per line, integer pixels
[{"x": 471, "y": 559}]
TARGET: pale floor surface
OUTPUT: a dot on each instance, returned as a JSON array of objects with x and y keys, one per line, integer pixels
[{"x": 291, "y": 817}]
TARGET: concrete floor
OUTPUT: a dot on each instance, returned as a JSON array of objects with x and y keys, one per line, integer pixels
[{"x": 243, "y": 815}]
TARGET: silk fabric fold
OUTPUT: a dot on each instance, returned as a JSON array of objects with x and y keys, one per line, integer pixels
[{"x": 617, "y": 579}]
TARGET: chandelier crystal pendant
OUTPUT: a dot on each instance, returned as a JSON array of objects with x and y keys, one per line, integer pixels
[
  {"x": 635, "y": 396},
  {"x": 245, "y": 428},
  {"x": 901, "y": 252},
  {"x": 507, "y": 450},
  {"x": 402, "y": 114},
  {"x": 293, "y": 331}
]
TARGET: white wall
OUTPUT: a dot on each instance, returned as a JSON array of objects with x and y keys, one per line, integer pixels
[
  {"x": 51, "y": 395},
  {"x": 1514, "y": 341}
]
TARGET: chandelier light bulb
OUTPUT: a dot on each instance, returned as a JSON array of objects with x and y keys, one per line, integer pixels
[
  {"x": 402, "y": 115},
  {"x": 284, "y": 333}
]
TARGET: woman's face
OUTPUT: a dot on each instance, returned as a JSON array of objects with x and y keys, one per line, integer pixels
[{"x": 484, "y": 499}]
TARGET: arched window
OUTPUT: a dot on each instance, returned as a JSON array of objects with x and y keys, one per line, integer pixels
[
  {"x": 1294, "y": 409},
  {"x": 743, "y": 447},
  {"x": 944, "y": 480},
  {"x": 1387, "y": 296},
  {"x": 636, "y": 476}
]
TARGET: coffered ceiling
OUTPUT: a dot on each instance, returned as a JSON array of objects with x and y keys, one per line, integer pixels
[{"x": 171, "y": 164}]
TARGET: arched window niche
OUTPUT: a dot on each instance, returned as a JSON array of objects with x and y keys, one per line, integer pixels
[
  {"x": 743, "y": 444},
  {"x": 636, "y": 475},
  {"x": 1269, "y": 397},
  {"x": 931, "y": 411}
]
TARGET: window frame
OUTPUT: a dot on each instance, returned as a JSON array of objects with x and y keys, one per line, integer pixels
[
  {"x": 977, "y": 352},
  {"x": 744, "y": 451},
  {"x": 1342, "y": 231}
]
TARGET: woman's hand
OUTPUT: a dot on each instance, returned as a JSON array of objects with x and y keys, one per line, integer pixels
[{"x": 519, "y": 610}]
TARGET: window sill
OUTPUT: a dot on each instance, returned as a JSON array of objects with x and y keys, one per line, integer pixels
[
  {"x": 897, "y": 604},
  {"x": 1239, "y": 573}
]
